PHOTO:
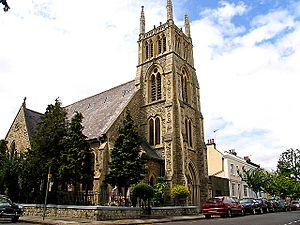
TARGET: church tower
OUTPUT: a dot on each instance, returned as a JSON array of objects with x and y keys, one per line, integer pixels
[{"x": 171, "y": 118}]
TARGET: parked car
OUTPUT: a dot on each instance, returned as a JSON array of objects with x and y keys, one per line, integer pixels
[
  {"x": 8, "y": 209},
  {"x": 269, "y": 206},
  {"x": 295, "y": 205},
  {"x": 224, "y": 206},
  {"x": 250, "y": 205},
  {"x": 263, "y": 208}
]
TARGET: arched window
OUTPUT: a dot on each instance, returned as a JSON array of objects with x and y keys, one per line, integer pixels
[
  {"x": 154, "y": 131},
  {"x": 157, "y": 131},
  {"x": 184, "y": 85},
  {"x": 155, "y": 85},
  {"x": 189, "y": 132},
  {"x": 151, "y": 131},
  {"x": 146, "y": 50},
  {"x": 164, "y": 41},
  {"x": 159, "y": 45},
  {"x": 151, "y": 49}
]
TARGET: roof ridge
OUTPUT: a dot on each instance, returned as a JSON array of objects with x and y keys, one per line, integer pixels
[{"x": 99, "y": 93}]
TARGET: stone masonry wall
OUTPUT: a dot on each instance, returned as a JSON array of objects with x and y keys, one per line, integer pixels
[{"x": 107, "y": 212}]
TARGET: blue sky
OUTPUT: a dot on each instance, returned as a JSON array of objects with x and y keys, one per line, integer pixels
[{"x": 246, "y": 55}]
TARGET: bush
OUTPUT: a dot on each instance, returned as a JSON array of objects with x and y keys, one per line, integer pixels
[
  {"x": 143, "y": 191},
  {"x": 180, "y": 193}
]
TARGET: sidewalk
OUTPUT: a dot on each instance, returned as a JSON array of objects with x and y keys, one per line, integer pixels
[{"x": 61, "y": 221}]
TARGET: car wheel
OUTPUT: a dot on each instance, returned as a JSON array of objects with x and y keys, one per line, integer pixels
[
  {"x": 261, "y": 211},
  {"x": 207, "y": 216},
  {"x": 15, "y": 219},
  {"x": 243, "y": 212},
  {"x": 229, "y": 214}
]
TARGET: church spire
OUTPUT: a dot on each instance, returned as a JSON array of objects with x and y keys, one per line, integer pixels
[
  {"x": 169, "y": 10},
  {"x": 187, "y": 29},
  {"x": 142, "y": 21}
]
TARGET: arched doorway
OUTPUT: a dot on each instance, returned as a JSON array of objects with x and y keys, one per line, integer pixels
[{"x": 193, "y": 185}]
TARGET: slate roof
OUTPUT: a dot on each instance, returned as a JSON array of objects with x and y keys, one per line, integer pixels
[
  {"x": 101, "y": 110},
  {"x": 32, "y": 118}
]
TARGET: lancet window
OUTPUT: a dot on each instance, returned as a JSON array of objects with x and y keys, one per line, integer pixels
[
  {"x": 154, "y": 131},
  {"x": 184, "y": 85},
  {"x": 189, "y": 132},
  {"x": 155, "y": 85}
]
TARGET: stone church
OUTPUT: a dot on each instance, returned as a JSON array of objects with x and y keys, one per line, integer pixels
[{"x": 164, "y": 102}]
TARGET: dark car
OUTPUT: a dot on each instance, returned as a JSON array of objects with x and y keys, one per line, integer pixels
[
  {"x": 8, "y": 209},
  {"x": 223, "y": 206},
  {"x": 263, "y": 205},
  {"x": 250, "y": 205}
]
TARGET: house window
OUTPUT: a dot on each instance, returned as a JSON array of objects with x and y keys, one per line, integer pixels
[
  {"x": 231, "y": 169},
  {"x": 189, "y": 132},
  {"x": 155, "y": 85},
  {"x": 154, "y": 131},
  {"x": 245, "y": 191},
  {"x": 233, "y": 189}
]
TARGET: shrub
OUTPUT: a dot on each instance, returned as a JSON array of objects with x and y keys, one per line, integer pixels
[
  {"x": 180, "y": 193},
  {"x": 143, "y": 191}
]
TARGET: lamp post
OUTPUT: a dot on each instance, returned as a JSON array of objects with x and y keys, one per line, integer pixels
[{"x": 47, "y": 190}]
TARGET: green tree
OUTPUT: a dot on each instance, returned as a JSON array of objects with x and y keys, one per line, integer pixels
[
  {"x": 255, "y": 179},
  {"x": 3, "y": 160},
  {"x": 289, "y": 164},
  {"x": 49, "y": 141},
  {"x": 159, "y": 191},
  {"x": 77, "y": 161},
  {"x": 127, "y": 163}
]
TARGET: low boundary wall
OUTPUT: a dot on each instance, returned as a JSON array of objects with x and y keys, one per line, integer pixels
[{"x": 107, "y": 212}]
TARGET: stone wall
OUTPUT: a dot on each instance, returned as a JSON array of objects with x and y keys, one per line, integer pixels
[{"x": 107, "y": 212}]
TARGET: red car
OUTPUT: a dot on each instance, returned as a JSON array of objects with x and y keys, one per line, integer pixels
[{"x": 223, "y": 205}]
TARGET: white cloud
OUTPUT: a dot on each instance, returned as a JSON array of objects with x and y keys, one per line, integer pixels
[{"x": 249, "y": 87}]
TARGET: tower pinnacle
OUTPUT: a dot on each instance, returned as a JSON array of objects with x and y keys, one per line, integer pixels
[
  {"x": 169, "y": 10},
  {"x": 142, "y": 21},
  {"x": 187, "y": 29}
]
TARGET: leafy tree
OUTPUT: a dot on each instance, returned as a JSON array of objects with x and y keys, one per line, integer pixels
[
  {"x": 6, "y": 7},
  {"x": 77, "y": 161},
  {"x": 255, "y": 178},
  {"x": 159, "y": 191},
  {"x": 3, "y": 160},
  {"x": 289, "y": 164},
  {"x": 49, "y": 141},
  {"x": 127, "y": 163},
  {"x": 9, "y": 171}
]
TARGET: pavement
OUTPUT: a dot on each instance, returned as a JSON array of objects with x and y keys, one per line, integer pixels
[{"x": 72, "y": 221}]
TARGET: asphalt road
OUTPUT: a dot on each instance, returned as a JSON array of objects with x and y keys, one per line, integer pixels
[{"x": 281, "y": 218}]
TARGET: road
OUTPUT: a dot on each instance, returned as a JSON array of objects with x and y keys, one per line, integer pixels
[{"x": 281, "y": 218}]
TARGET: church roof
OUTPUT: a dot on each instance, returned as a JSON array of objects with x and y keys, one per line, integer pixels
[
  {"x": 101, "y": 110},
  {"x": 32, "y": 119}
]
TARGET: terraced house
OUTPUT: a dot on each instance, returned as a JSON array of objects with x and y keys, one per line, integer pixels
[{"x": 164, "y": 102}]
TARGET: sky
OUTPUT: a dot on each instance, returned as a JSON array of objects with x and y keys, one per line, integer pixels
[{"x": 247, "y": 58}]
